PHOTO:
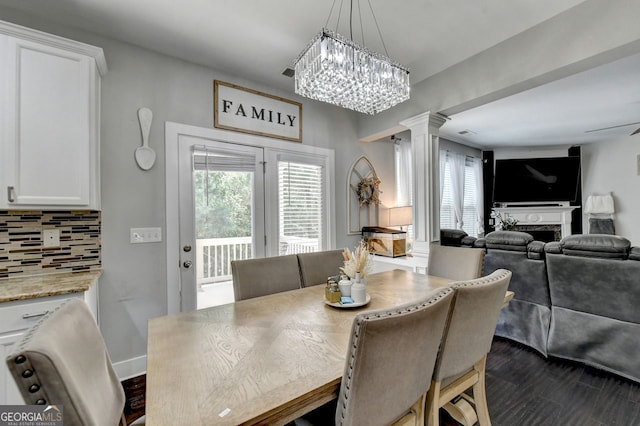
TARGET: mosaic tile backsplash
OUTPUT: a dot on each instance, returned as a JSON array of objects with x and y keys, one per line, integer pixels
[{"x": 21, "y": 251}]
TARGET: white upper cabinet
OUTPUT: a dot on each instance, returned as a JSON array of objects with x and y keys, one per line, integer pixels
[{"x": 50, "y": 121}]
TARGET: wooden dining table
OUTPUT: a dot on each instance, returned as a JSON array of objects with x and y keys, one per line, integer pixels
[{"x": 266, "y": 360}]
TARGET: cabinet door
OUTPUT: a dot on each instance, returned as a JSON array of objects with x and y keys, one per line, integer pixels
[{"x": 49, "y": 113}]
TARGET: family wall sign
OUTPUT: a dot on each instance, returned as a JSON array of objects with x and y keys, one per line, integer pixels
[{"x": 246, "y": 110}]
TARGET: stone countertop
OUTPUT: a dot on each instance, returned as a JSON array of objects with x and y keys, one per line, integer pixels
[{"x": 31, "y": 287}]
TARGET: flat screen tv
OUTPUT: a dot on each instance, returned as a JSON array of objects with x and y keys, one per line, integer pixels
[{"x": 551, "y": 179}]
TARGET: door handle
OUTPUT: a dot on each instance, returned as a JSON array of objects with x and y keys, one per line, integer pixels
[
  {"x": 11, "y": 194},
  {"x": 187, "y": 264}
]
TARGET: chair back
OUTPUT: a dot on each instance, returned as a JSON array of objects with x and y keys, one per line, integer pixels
[
  {"x": 316, "y": 267},
  {"x": 259, "y": 277},
  {"x": 390, "y": 360},
  {"x": 472, "y": 323},
  {"x": 63, "y": 360},
  {"x": 455, "y": 263}
]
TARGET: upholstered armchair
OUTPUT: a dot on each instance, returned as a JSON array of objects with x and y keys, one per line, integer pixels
[
  {"x": 62, "y": 360},
  {"x": 455, "y": 263},
  {"x": 259, "y": 277},
  {"x": 316, "y": 267},
  {"x": 465, "y": 344}
]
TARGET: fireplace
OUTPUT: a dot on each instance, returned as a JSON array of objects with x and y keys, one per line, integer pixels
[
  {"x": 546, "y": 223},
  {"x": 544, "y": 233}
]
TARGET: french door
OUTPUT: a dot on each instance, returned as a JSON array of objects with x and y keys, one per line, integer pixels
[
  {"x": 222, "y": 215},
  {"x": 244, "y": 197}
]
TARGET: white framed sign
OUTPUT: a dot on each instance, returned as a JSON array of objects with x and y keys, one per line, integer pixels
[{"x": 249, "y": 111}]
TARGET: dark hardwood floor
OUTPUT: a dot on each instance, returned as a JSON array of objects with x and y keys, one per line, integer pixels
[{"x": 524, "y": 388}]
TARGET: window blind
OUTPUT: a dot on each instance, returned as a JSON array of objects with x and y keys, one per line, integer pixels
[
  {"x": 300, "y": 200},
  {"x": 226, "y": 162}
]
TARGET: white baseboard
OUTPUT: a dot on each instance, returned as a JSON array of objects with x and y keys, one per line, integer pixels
[{"x": 131, "y": 367}]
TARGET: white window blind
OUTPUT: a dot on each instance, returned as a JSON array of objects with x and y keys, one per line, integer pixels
[
  {"x": 222, "y": 161},
  {"x": 300, "y": 201}
]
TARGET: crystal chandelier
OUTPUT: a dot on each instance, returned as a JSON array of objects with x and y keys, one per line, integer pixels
[{"x": 336, "y": 70}]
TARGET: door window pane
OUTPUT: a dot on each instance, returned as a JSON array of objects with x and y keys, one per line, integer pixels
[{"x": 300, "y": 201}]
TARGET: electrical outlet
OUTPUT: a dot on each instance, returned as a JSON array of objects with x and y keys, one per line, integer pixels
[
  {"x": 145, "y": 235},
  {"x": 50, "y": 238}
]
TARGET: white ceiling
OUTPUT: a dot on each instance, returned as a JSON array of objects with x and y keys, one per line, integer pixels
[
  {"x": 592, "y": 106},
  {"x": 258, "y": 39}
]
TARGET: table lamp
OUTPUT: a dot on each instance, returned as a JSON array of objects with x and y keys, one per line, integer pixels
[{"x": 400, "y": 216}]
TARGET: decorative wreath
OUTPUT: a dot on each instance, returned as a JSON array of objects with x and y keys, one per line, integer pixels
[{"x": 368, "y": 191}]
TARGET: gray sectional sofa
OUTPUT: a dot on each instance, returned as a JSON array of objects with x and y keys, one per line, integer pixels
[
  {"x": 527, "y": 317},
  {"x": 577, "y": 299},
  {"x": 594, "y": 283}
]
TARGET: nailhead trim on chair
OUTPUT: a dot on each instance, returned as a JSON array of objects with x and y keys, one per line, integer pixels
[
  {"x": 484, "y": 280},
  {"x": 33, "y": 329},
  {"x": 380, "y": 314},
  {"x": 29, "y": 373}
]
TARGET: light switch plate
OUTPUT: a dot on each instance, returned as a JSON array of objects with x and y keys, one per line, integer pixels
[
  {"x": 145, "y": 235},
  {"x": 50, "y": 238}
]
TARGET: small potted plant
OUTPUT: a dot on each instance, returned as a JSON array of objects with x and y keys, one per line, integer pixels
[
  {"x": 504, "y": 222},
  {"x": 356, "y": 266}
]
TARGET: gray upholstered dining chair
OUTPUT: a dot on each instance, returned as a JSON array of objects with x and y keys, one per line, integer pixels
[
  {"x": 387, "y": 348},
  {"x": 316, "y": 267},
  {"x": 463, "y": 352},
  {"x": 62, "y": 360},
  {"x": 268, "y": 275},
  {"x": 382, "y": 383},
  {"x": 455, "y": 263}
]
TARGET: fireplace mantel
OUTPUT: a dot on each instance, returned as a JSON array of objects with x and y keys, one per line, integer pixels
[{"x": 540, "y": 215}]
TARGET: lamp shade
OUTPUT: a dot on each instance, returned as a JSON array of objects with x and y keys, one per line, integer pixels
[
  {"x": 599, "y": 204},
  {"x": 400, "y": 216}
]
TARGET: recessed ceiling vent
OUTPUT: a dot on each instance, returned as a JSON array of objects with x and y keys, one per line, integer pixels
[{"x": 289, "y": 72}]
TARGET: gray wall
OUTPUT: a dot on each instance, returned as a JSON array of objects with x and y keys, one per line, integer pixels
[
  {"x": 133, "y": 285},
  {"x": 448, "y": 145},
  {"x": 612, "y": 166}
]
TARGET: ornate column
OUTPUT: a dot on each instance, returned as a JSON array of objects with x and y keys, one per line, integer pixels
[{"x": 425, "y": 150}]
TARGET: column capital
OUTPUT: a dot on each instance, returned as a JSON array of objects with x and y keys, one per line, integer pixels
[{"x": 427, "y": 119}]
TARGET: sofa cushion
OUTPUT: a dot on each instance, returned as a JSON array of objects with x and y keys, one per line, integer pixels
[
  {"x": 553, "y": 247},
  {"x": 634, "y": 253},
  {"x": 508, "y": 240},
  {"x": 535, "y": 250},
  {"x": 452, "y": 237},
  {"x": 468, "y": 241},
  {"x": 479, "y": 243},
  {"x": 596, "y": 245}
]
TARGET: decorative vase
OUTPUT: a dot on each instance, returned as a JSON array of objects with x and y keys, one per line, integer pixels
[
  {"x": 358, "y": 290},
  {"x": 345, "y": 287}
]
